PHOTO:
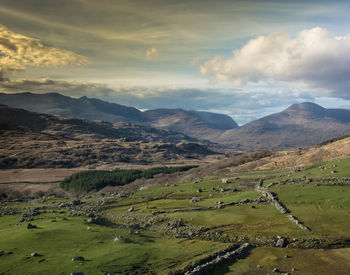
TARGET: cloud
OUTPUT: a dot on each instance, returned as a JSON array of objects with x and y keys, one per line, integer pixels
[
  {"x": 18, "y": 52},
  {"x": 150, "y": 53},
  {"x": 241, "y": 105},
  {"x": 312, "y": 61}
]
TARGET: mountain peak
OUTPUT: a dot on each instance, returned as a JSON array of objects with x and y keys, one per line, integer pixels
[{"x": 305, "y": 106}]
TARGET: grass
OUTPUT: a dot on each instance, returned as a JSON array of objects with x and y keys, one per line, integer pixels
[
  {"x": 59, "y": 242},
  {"x": 310, "y": 261},
  {"x": 325, "y": 209}
]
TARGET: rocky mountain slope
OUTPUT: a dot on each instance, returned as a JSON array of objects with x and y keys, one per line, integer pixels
[
  {"x": 200, "y": 125},
  {"x": 299, "y": 125},
  {"x": 30, "y": 140}
]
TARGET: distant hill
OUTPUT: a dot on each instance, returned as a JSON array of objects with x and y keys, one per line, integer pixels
[
  {"x": 29, "y": 140},
  {"x": 299, "y": 125},
  {"x": 86, "y": 108},
  {"x": 200, "y": 125}
]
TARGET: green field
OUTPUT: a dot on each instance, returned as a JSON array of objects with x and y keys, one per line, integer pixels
[{"x": 158, "y": 243}]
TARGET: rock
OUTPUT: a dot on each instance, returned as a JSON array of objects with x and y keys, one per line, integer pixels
[
  {"x": 31, "y": 226},
  {"x": 280, "y": 242},
  {"x": 88, "y": 228},
  {"x": 78, "y": 258},
  {"x": 199, "y": 190},
  {"x": 258, "y": 266},
  {"x": 34, "y": 254},
  {"x": 131, "y": 209},
  {"x": 117, "y": 239},
  {"x": 294, "y": 269},
  {"x": 275, "y": 270},
  {"x": 194, "y": 199},
  {"x": 76, "y": 202},
  {"x": 91, "y": 215},
  {"x": 41, "y": 260}
]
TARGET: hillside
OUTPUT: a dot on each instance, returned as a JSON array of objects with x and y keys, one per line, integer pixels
[
  {"x": 299, "y": 125},
  {"x": 200, "y": 125},
  {"x": 221, "y": 221},
  {"x": 31, "y": 140}
]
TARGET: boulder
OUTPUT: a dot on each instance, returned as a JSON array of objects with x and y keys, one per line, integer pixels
[
  {"x": 78, "y": 258},
  {"x": 31, "y": 226},
  {"x": 194, "y": 199}
]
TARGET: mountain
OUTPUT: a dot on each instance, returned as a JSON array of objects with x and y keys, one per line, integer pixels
[
  {"x": 199, "y": 125},
  {"x": 299, "y": 125},
  {"x": 29, "y": 140},
  {"x": 86, "y": 108}
]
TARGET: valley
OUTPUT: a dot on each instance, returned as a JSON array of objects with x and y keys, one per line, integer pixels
[{"x": 190, "y": 222}]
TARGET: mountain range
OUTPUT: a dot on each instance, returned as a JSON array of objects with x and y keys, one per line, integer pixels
[
  {"x": 202, "y": 125},
  {"x": 299, "y": 125}
]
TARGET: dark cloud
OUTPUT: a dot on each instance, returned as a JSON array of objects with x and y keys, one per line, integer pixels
[{"x": 242, "y": 106}]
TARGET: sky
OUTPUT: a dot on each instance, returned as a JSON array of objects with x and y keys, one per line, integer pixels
[{"x": 246, "y": 58}]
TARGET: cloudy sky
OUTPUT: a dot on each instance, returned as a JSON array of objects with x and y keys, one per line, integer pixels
[{"x": 243, "y": 58}]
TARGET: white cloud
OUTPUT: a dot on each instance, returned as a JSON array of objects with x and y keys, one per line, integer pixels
[
  {"x": 150, "y": 53},
  {"x": 17, "y": 52},
  {"x": 312, "y": 61}
]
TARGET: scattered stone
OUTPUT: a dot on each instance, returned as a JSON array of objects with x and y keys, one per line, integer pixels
[
  {"x": 224, "y": 180},
  {"x": 88, "y": 228},
  {"x": 275, "y": 270},
  {"x": 31, "y": 226},
  {"x": 280, "y": 242},
  {"x": 294, "y": 269},
  {"x": 131, "y": 209},
  {"x": 117, "y": 239},
  {"x": 258, "y": 266},
  {"x": 41, "y": 260},
  {"x": 194, "y": 199},
  {"x": 34, "y": 254},
  {"x": 78, "y": 258}
]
